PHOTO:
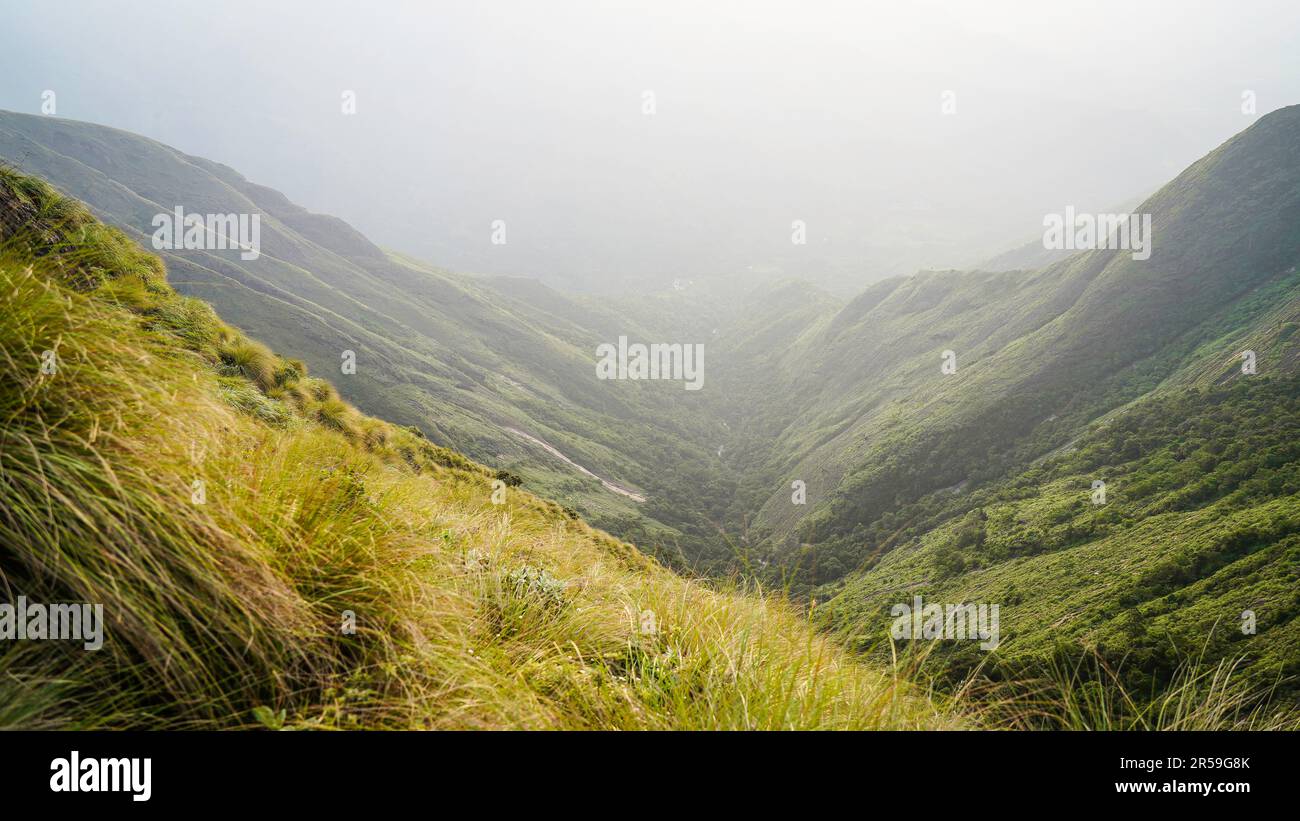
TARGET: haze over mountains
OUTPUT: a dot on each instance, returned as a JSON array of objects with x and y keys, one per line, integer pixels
[
  {"x": 766, "y": 112},
  {"x": 964, "y": 483}
]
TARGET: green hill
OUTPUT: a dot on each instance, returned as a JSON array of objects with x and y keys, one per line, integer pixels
[
  {"x": 1198, "y": 526},
  {"x": 976, "y": 486},
  {"x": 856, "y": 404}
]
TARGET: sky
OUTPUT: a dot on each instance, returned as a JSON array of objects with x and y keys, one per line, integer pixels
[{"x": 627, "y": 145}]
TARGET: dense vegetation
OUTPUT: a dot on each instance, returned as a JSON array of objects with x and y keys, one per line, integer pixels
[{"x": 1199, "y": 523}]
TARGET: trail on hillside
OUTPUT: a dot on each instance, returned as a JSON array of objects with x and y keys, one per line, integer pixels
[{"x": 616, "y": 488}]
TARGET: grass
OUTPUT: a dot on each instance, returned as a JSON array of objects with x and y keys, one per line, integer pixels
[
  {"x": 1089, "y": 694},
  {"x": 251, "y": 361}
]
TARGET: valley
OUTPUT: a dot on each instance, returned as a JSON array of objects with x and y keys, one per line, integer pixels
[{"x": 965, "y": 483}]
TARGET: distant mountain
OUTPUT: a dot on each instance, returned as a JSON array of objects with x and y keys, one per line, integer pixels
[{"x": 1041, "y": 354}]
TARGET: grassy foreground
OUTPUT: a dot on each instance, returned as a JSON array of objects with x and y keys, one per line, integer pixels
[{"x": 234, "y": 516}]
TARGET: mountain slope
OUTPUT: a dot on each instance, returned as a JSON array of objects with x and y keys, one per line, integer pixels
[
  {"x": 979, "y": 486},
  {"x": 1191, "y": 549},
  {"x": 875, "y": 424},
  {"x": 466, "y": 360}
]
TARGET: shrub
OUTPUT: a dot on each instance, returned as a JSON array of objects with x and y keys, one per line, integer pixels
[
  {"x": 250, "y": 360},
  {"x": 509, "y": 478},
  {"x": 335, "y": 415}
]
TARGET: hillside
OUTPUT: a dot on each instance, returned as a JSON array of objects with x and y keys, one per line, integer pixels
[
  {"x": 857, "y": 406},
  {"x": 231, "y": 514},
  {"x": 978, "y": 486},
  {"x": 1198, "y": 525},
  {"x": 487, "y": 366}
]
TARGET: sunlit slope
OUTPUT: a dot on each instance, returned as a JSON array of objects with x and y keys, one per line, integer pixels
[{"x": 234, "y": 517}]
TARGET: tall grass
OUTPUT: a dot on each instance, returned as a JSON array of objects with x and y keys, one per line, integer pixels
[{"x": 1088, "y": 693}]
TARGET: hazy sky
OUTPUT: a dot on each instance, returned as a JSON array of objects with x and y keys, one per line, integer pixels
[{"x": 532, "y": 113}]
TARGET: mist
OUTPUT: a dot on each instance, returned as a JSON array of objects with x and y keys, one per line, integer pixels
[{"x": 621, "y": 147}]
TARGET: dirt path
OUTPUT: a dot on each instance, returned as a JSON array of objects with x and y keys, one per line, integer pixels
[{"x": 619, "y": 489}]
